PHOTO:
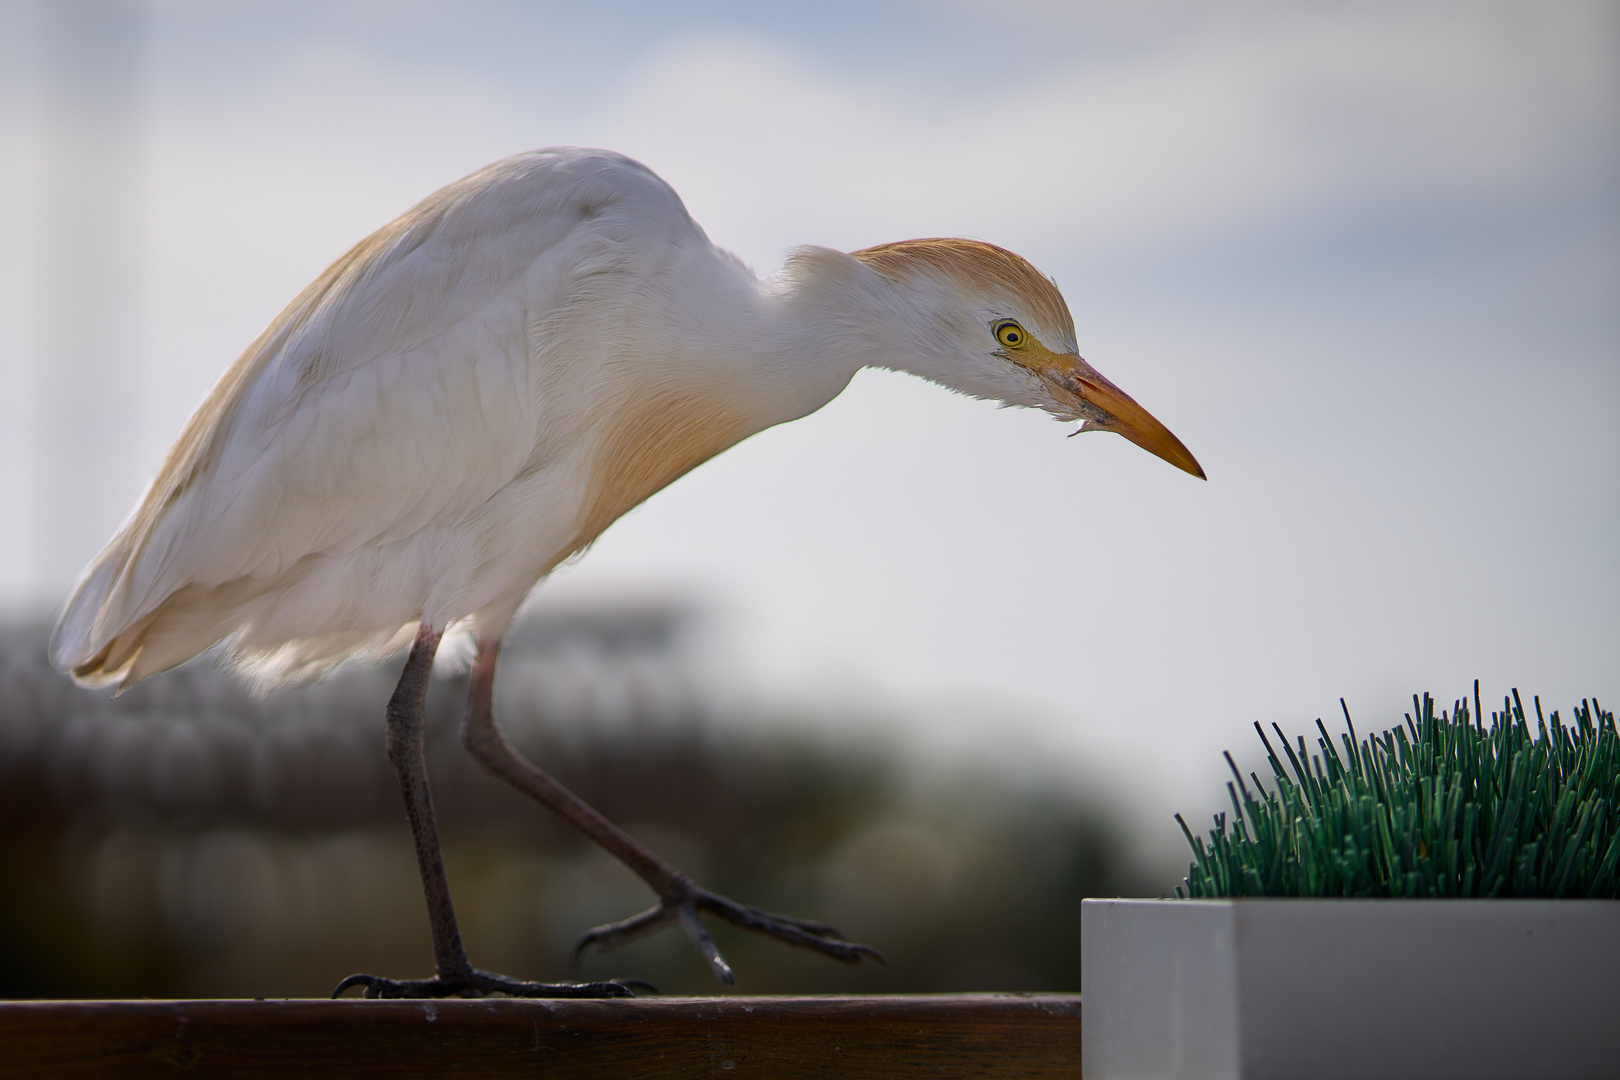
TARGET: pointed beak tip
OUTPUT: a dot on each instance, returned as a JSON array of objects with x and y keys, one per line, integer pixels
[
  {"x": 1183, "y": 461},
  {"x": 1126, "y": 417}
]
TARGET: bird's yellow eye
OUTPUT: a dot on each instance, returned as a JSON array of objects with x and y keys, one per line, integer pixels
[{"x": 1011, "y": 335}]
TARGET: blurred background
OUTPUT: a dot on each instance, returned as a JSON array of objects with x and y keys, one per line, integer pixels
[
  {"x": 190, "y": 841},
  {"x": 914, "y": 664}
]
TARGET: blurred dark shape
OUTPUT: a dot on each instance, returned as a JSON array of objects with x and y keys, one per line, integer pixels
[{"x": 187, "y": 840}]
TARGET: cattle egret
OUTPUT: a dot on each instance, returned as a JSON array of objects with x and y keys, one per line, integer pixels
[{"x": 473, "y": 394}]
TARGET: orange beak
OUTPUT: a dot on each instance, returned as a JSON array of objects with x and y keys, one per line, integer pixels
[{"x": 1105, "y": 407}]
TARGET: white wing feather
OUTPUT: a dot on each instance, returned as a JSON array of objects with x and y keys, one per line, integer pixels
[{"x": 386, "y": 406}]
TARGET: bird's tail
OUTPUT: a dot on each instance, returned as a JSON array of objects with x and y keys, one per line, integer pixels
[
  {"x": 84, "y": 643},
  {"x": 113, "y": 631}
]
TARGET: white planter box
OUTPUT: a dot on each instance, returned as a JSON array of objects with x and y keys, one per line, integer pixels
[{"x": 1431, "y": 989}]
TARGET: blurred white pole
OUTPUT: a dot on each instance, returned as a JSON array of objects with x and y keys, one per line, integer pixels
[
  {"x": 19, "y": 121},
  {"x": 87, "y": 266}
]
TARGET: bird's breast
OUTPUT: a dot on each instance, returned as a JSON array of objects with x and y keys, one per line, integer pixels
[{"x": 646, "y": 444}]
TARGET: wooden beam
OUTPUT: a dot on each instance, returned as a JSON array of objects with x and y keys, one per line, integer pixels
[{"x": 938, "y": 1036}]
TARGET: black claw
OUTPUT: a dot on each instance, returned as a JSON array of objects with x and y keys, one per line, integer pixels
[
  {"x": 867, "y": 950},
  {"x": 354, "y": 980},
  {"x": 635, "y": 983}
]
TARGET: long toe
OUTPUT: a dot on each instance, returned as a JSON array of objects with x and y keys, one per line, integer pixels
[
  {"x": 685, "y": 908},
  {"x": 375, "y": 986},
  {"x": 485, "y": 983},
  {"x": 481, "y": 983},
  {"x": 610, "y": 936},
  {"x": 804, "y": 933}
]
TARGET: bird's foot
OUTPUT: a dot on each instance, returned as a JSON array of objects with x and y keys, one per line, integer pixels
[
  {"x": 474, "y": 983},
  {"x": 684, "y": 907}
]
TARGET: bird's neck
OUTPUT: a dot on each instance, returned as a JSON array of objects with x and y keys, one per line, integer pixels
[
  {"x": 777, "y": 349},
  {"x": 733, "y": 356},
  {"x": 826, "y": 316}
]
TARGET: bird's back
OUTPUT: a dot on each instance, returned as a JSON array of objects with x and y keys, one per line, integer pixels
[{"x": 341, "y": 478}]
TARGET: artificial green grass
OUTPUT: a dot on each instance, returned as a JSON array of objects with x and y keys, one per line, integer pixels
[{"x": 1442, "y": 806}]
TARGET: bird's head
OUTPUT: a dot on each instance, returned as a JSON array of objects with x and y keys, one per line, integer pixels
[{"x": 996, "y": 328}]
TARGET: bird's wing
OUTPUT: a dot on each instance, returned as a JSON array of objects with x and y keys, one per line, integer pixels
[{"x": 393, "y": 394}]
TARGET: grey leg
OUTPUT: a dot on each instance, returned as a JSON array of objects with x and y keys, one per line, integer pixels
[
  {"x": 680, "y": 900},
  {"x": 454, "y": 975}
]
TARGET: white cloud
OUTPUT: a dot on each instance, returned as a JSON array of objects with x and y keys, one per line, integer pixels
[{"x": 1310, "y": 110}]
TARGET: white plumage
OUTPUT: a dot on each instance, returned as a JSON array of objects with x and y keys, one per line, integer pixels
[
  {"x": 414, "y": 436},
  {"x": 477, "y": 390}
]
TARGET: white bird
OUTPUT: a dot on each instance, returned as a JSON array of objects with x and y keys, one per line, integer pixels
[{"x": 471, "y": 395}]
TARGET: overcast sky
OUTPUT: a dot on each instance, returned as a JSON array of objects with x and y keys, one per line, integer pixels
[{"x": 1364, "y": 259}]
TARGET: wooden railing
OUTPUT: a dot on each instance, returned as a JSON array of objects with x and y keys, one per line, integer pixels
[{"x": 938, "y": 1036}]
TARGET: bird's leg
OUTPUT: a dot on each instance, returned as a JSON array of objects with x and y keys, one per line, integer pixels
[
  {"x": 454, "y": 975},
  {"x": 680, "y": 900}
]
